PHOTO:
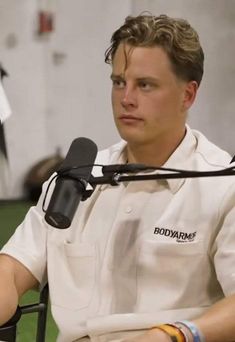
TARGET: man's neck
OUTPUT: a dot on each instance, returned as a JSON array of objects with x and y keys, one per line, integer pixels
[{"x": 154, "y": 154}]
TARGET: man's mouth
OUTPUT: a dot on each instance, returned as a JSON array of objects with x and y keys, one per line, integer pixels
[{"x": 126, "y": 118}]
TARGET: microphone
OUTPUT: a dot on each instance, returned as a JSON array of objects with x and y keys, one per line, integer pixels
[{"x": 73, "y": 177}]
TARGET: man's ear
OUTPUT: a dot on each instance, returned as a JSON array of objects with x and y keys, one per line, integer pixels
[{"x": 189, "y": 94}]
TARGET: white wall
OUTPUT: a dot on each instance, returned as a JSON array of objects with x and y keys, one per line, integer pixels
[
  {"x": 59, "y": 87},
  {"x": 79, "y": 87}
]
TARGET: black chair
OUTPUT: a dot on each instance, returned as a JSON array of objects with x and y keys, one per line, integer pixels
[{"x": 8, "y": 330}]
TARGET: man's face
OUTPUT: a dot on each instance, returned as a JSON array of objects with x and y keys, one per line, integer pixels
[{"x": 149, "y": 101}]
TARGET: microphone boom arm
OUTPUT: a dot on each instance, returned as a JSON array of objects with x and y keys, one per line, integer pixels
[{"x": 116, "y": 178}]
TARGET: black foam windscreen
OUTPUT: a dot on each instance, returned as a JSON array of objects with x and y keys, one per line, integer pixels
[
  {"x": 80, "y": 158},
  {"x": 70, "y": 187}
]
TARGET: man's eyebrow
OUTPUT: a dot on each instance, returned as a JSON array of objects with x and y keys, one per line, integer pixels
[
  {"x": 115, "y": 77},
  {"x": 147, "y": 79},
  {"x": 139, "y": 79}
]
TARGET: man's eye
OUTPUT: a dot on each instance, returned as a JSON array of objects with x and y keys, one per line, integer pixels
[
  {"x": 145, "y": 85},
  {"x": 119, "y": 84}
]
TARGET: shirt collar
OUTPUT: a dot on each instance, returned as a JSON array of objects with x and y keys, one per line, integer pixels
[{"x": 180, "y": 158}]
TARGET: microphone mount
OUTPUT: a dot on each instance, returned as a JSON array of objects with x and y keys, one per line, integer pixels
[{"x": 113, "y": 174}]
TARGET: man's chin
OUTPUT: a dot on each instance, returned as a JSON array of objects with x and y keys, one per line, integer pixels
[{"x": 132, "y": 139}]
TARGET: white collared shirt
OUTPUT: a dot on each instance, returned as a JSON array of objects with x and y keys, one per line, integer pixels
[{"x": 140, "y": 252}]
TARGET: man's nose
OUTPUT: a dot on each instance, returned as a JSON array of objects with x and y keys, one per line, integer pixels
[{"x": 129, "y": 97}]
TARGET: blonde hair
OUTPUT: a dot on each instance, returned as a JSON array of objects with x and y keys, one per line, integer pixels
[{"x": 177, "y": 38}]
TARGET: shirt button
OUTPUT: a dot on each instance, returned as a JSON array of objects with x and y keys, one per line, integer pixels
[{"x": 128, "y": 209}]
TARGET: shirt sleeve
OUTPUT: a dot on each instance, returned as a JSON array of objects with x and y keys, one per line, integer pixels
[
  {"x": 224, "y": 257},
  {"x": 28, "y": 243}
]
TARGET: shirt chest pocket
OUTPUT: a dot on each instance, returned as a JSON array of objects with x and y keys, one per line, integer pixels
[{"x": 73, "y": 281}]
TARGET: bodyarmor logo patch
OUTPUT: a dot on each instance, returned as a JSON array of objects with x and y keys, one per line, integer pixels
[{"x": 175, "y": 234}]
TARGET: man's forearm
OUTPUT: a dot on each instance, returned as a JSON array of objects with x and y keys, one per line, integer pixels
[
  {"x": 8, "y": 295},
  {"x": 15, "y": 280},
  {"x": 218, "y": 323}
]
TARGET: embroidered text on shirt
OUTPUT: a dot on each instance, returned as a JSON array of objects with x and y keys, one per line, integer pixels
[{"x": 175, "y": 234}]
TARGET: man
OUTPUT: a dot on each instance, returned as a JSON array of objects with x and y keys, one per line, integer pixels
[{"x": 143, "y": 253}]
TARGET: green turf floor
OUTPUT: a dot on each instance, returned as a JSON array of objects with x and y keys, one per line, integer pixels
[{"x": 11, "y": 214}]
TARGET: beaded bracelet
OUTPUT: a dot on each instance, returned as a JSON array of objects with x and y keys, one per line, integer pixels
[
  {"x": 197, "y": 335},
  {"x": 172, "y": 331}
]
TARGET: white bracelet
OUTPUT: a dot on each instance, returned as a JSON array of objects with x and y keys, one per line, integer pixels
[{"x": 197, "y": 334}]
